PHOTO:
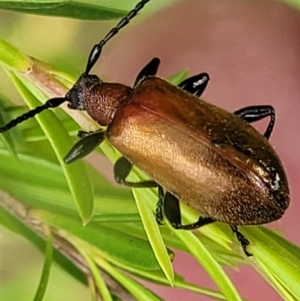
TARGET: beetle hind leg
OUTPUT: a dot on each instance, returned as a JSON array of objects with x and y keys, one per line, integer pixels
[
  {"x": 195, "y": 84},
  {"x": 255, "y": 113},
  {"x": 172, "y": 212},
  {"x": 242, "y": 239}
]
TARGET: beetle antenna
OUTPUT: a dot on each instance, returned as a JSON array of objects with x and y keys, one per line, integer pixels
[
  {"x": 96, "y": 51},
  {"x": 51, "y": 103}
]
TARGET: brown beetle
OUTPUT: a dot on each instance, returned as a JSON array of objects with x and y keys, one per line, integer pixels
[{"x": 194, "y": 151}]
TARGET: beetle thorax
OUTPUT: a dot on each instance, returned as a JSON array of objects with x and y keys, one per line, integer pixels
[
  {"x": 100, "y": 100},
  {"x": 103, "y": 100}
]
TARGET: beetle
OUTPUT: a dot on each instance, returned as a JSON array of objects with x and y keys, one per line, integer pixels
[{"x": 193, "y": 151}]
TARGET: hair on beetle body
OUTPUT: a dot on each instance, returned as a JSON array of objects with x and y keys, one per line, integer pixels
[{"x": 209, "y": 158}]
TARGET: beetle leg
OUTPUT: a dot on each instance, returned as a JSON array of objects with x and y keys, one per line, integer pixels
[
  {"x": 159, "y": 207},
  {"x": 255, "y": 113},
  {"x": 122, "y": 169},
  {"x": 195, "y": 84},
  {"x": 82, "y": 134},
  {"x": 172, "y": 212},
  {"x": 85, "y": 145},
  {"x": 149, "y": 70},
  {"x": 242, "y": 239}
]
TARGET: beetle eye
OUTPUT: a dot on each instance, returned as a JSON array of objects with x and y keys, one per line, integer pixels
[{"x": 73, "y": 99}]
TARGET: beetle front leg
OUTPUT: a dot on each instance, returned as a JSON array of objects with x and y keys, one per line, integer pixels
[
  {"x": 195, "y": 84},
  {"x": 242, "y": 239},
  {"x": 89, "y": 141},
  {"x": 172, "y": 212},
  {"x": 255, "y": 113},
  {"x": 122, "y": 169}
]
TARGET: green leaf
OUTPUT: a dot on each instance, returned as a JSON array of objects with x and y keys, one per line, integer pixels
[
  {"x": 277, "y": 256},
  {"x": 179, "y": 282},
  {"x": 12, "y": 58},
  {"x": 101, "y": 285},
  {"x": 123, "y": 247},
  {"x": 26, "y": 179},
  {"x": 65, "y": 8},
  {"x": 136, "y": 289},
  {"x": 206, "y": 260},
  {"x": 153, "y": 234},
  {"x": 46, "y": 271},
  {"x": 177, "y": 78}
]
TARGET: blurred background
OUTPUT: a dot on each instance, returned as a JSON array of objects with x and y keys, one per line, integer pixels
[{"x": 250, "y": 48}]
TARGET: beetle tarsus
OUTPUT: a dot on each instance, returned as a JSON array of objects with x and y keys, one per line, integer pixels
[
  {"x": 242, "y": 239},
  {"x": 172, "y": 211},
  {"x": 202, "y": 221},
  {"x": 159, "y": 207}
]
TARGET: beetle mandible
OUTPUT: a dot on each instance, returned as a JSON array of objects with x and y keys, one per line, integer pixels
[{"x": 211, "y": 159}]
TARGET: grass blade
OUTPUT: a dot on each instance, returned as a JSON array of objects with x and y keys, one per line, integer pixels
[
  {"x": 64, "y": 8},
  {"x": 204, "y": 257},
  {"x": 46, "y": 271}
]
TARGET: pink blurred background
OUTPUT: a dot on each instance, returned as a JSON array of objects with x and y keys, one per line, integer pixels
[{"x": 251, "y": 49}]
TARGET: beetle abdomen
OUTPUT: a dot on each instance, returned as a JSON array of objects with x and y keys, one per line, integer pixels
[{"x": 204, "y": 155}]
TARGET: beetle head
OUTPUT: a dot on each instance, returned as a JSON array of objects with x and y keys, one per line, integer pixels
[
  {"x": 77, "y": 94},
  {"x": 99, "y": 99}
]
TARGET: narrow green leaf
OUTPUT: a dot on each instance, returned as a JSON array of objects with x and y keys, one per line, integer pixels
[
  {"x": 179, "y": 282},
  {"x": 123, "y": 247},
  {"x": 177, "y": 78},
  {"x": 136, "y": 289},
  {"x": 64, "y": 8},
  {"x": 153, "y": 233},
  {"x": 12, "y": 58},
  {"x": 101, "y": 285},
  {"x": 61, "y": 142},
  {"x": 92, "y": 288},
  {"x": 26, "y": 179},
  {"x": 204, "y": 257},
  {"x": 278, "y": 257},
  {"x": 46, "y": 271},
  {"x": 275, "y": 283}
]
